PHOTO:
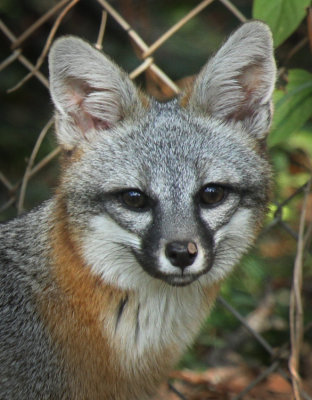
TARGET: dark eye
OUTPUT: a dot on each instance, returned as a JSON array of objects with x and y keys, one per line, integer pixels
[
  {"x": 135, "y": 199},
  {"x": 212, "y": 195}
]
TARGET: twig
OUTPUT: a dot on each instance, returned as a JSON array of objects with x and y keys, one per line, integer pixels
[
  {"x": 176, "y": 391},
  {"x": 296, "y": 48},
  {"x": 304, "y": 394},
  {"x": 266, "y": 345},
  {"x": 46, "y": 47},
  {"x": 307, "y": 235},
  {"x": 5, "y": 182},
  {"x": 18, "y": 41},
  {"x": 99, "y": 42},
  {"x": 141, "y": 68},
  {"x": 296, "y": 307},
  {"x": 255, "y": 334},
  {"x": 7, "y": 204},
  {"x": 9, "y": 60},
  {"x": 176, "y": 27},
  {"x": 294, "y": 194},
  {"x": 23, "y": 59},
  {"x": 140, "y": 44},
  {"x": 164, "y": 78},
  {"x": 30, "y": 164},
  {"x": 289, "y": 230},
  {"x": 32, "y": 68},
  {"x": 234, "y": 10},
  {"x": 41, "y": 164},
  {"x": 124, "y": 24},
  {"x": 7, "y": 31},
  {"x": 278, "y": 216},
  {"x": 255, "y": 382}
]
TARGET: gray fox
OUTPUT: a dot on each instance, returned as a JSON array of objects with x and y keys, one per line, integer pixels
[{"x": 105, "y": 285}]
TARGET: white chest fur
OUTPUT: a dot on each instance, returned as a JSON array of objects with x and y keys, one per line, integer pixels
[
  {"x": 152, "y": 315},
  {"x": 156, "y": 318}
]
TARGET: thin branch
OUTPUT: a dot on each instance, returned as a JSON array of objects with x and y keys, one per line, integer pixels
[
  {"x": 6, "y": 31},
  {"x": 23, "y": 59},
  {"x": 255, "y": 334},
  {"x": 176, "y": 391},
  {"x": 140, "y": 44},
  {"x": 5, "y": 181},
  {"x": 234, "y": 10},
  {"x": 9, "y": 60},
  {"x": 296, "y": 307},
  {"x": 124, "y": 24},
  {"x": 141, "y": 68},
  {"x": 308, "y": 235},
  {"x": 121, "y": 21},
  {"x": 296, "y": 48},
  {"x": 47, "y": 45},
  {"x": 18, "y": 41},
  {"x": 293, "y": 195},
  {"x": 259, "y": 378},
  {"x": 41, "y": 164},
  {"x": 164, "y": 78},
  {"x": 176, "y": 27},
  {"x": 99, "y": 42},
  {"x": 34, "y": 153},
  {"x": 7, "y": 204}
]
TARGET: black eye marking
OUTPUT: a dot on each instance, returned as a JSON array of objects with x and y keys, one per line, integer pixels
[
  {"x": 134, "y": 199},
  {"x": 212, "y": 195}
]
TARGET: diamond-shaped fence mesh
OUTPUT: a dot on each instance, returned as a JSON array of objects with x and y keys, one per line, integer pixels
[{"x": 100, "y": 17}]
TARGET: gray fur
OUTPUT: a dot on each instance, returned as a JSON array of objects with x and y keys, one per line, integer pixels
[
  {"x": 169, "y": 153},
  {"x": 29, "y": 368}
]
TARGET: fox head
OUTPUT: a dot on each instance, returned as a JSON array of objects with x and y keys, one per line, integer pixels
[{"x": 172, "y": 193}]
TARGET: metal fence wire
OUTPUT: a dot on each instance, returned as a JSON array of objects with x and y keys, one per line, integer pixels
[{"x": 14, "y": 194}]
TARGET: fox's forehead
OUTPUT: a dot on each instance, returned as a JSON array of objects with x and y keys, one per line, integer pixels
[
  {"x": 167, "y": 135},
  {"x": 164, "y": 150}
]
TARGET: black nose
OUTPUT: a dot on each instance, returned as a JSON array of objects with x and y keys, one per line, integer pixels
[{"x": 181, "y": 254}]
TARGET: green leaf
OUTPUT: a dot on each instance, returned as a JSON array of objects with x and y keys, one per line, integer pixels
[
  {"x": 282, "y": 16},
  {"x": 293, "y": 107}
]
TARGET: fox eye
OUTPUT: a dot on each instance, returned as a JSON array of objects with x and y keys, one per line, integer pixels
[
  {"x": 212, "y": 195},
  {"x": 134, "y": 199}
]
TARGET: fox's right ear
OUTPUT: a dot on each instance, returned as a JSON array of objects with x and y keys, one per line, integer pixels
[
  {"x": 89, "y": 91},
  {"x": 236, "y": 85}
]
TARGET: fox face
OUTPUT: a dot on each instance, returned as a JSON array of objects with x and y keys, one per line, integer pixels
[{"x": 165, "y": 193}]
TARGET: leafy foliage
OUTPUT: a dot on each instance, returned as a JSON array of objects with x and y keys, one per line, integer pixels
[
  {"x": 283, "y": 16},
  {"x": 293, "y": 102},
  {"x": 293, "y": 105}
]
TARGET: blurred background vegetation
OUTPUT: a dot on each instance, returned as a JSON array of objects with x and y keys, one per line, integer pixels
[{"x": 264, "y": 278}]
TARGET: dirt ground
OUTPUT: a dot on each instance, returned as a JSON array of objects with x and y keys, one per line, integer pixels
[{"x": 228, "y": 382}]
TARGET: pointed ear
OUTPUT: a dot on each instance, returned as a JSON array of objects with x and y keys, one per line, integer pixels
[
  {"x": 89, "y": 91},
  {"x": 237, "y": 84}
]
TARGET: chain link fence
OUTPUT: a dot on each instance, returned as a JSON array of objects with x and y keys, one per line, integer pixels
[{"x": 14, "y": 194}]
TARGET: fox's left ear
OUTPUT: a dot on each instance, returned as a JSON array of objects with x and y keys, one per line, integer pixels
[{"x": 237, "y": 84}]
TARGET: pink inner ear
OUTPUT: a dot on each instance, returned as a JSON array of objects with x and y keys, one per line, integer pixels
[
  {"x": 84, "y": 120},
  {"x": 252, "y": 82}
]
